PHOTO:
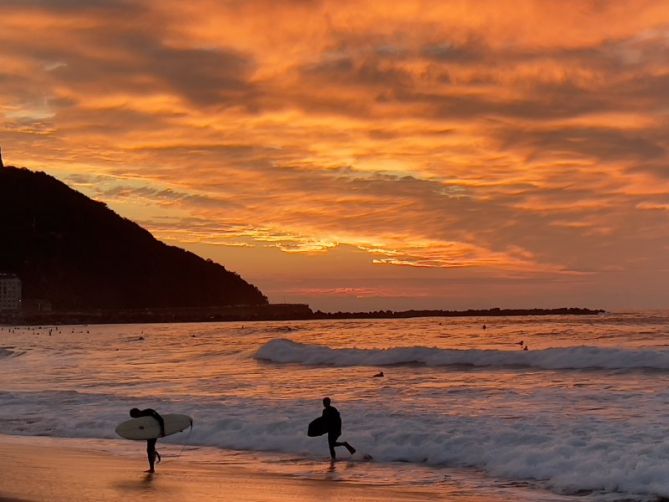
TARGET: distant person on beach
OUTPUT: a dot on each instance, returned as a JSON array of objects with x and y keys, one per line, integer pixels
[
  {"x": 333, "y": 419},
  {"x": 151, "y": 452}
]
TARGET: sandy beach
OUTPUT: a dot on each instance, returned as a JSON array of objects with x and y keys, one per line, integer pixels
[{"x": 40, "y": 469}]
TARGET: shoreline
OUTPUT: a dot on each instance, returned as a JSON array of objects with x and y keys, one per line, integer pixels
[{"x": 60, "y": 469}]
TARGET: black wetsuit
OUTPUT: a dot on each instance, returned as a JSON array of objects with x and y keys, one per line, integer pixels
[
  {"x": 333, "y": 420},
  {"x": 151, "y": 452}
]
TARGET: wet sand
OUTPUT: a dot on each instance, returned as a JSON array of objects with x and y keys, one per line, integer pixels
[{"x": 40, "y": 469}]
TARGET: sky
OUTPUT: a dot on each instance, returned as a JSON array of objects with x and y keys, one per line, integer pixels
[{"x": 359, "y": 155}]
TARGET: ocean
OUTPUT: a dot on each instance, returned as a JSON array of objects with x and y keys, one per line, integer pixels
[{"x": 583, "y": 414}]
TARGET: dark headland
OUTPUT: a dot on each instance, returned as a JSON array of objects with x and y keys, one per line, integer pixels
[
  {"x": 80, "y": 262},
  {"x": 74, "y": 254}
]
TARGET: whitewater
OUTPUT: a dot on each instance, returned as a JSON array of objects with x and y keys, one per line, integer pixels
[{"x": 582, "y": 414}]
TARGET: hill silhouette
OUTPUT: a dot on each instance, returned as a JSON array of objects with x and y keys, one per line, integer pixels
[{"x": 79, "y": 254}]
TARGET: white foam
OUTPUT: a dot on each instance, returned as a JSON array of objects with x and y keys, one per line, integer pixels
[
  {"x": 567, "y": 455},
  {"x": 288, "y": 351}
]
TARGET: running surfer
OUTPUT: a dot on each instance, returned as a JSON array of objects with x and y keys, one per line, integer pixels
[
  {"x": 151, "y": 452},
  {"x": 333, "y": 421}
]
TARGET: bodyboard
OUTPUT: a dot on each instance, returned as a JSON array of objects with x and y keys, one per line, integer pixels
[{"x": 317, "y": 427}]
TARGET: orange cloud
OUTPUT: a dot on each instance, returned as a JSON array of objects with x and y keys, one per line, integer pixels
[{"x": 444, "y": 136}]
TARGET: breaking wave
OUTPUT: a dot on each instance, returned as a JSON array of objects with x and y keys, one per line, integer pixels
[
  {"x": 287, "y": 351},
  {"x": 7, "y": 352}
]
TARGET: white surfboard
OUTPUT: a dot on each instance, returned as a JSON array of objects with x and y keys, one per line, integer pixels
[{"x": 149, "y": 428}]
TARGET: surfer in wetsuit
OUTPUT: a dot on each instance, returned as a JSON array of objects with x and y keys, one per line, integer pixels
[
  {"x": 333, "y": 420},
  {"x": 151, "y": 452}
]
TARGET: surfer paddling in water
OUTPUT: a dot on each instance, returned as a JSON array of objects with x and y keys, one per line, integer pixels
[
  {"x": 151, "y": 452},
  {"x": 332, "y": 418}
]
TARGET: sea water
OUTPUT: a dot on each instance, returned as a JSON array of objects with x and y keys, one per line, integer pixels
[{"x": 583, "y": 414}]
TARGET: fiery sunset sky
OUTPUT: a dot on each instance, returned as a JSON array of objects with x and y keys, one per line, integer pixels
[{"x": 363, "y": 155}]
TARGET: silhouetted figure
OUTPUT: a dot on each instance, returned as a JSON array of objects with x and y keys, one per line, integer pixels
[
  {"x": 378, "y": 375},
  {"x": 151, "y": 452},
  {"x": 485, "y": 327},
  {"x": 526, "y": 348},
  {"x": 333, "y": 419}
]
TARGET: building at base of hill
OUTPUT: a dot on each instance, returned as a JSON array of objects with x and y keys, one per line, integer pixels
[{"x": 10, "y": 293}]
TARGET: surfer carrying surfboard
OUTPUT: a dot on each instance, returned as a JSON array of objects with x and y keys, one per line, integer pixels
[
  {"x": 151, "y": 452},
  {"x": 332, "y": 419}
]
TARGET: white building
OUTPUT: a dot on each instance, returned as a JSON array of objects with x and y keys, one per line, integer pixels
[{"x": 10, "y": 292}]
